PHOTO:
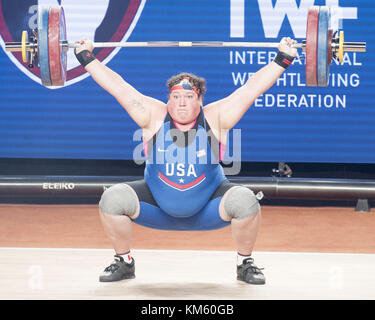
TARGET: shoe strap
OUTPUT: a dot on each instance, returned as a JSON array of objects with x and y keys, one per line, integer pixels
[
  {"x": 118, "y": 258},
  {"x": 248, "y": 263}
]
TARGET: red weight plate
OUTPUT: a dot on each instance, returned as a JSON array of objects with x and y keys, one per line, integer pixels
[
  {"x": 330, "y": 34},
  {"x": 54, "y": 48},
  {"x": 312, "y": 45}
]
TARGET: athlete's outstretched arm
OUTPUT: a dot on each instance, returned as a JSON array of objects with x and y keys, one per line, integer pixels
[
  {"x": 231, "y": 109},
  {"x": 139, "y": 106}
]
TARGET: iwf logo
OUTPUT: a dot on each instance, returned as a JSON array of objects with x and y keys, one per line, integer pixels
[
  {"x": 99, "y": 20},
  {"x": 273, "y": 13}
]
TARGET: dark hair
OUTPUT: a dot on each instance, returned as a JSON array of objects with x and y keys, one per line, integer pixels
[{"x": 195, "y": 81}]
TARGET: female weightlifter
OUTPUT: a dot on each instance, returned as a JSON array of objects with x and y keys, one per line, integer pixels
[{"x": 184, "y": 186}]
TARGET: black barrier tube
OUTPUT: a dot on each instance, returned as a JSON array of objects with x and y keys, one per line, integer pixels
[
  {"x": 311, "y": 189},
  {"x": 57, "y": 186},
  {"x": 75, "y": 187}
]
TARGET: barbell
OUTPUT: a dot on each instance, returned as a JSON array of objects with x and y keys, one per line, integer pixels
[{"x": 48, "y": 45}]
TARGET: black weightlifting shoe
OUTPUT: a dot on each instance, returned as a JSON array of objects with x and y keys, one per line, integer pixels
[
  {"x": 118, "y": 270},
  {"x": 250, "y": 273}
]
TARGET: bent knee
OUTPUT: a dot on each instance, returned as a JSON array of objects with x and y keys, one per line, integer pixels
[
  {"x": 240, "y": 203},
  {"x": 119, "y": 199}
]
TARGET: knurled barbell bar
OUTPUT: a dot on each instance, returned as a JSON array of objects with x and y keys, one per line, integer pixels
[{"x": 49, "y": 45}]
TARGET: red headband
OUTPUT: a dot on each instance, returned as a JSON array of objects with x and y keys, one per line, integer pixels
[{"x": 185, "y": 85}]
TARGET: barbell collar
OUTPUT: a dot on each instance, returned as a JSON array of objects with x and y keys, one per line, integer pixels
[{"x": 355, "y": 46}]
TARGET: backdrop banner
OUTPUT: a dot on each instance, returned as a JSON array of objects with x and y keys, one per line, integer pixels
[{"x": 289, "y": 123}]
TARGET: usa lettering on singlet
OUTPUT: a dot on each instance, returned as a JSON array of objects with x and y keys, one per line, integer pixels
[{"x": 182, "y": 168}]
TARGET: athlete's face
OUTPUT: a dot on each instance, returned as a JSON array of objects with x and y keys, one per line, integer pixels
[{"x": 184, "y": 106}]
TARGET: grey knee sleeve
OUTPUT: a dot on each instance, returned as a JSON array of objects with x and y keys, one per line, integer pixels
[
  {"x": 119, "y": 199},
  {"x": 241, "y": 203}
]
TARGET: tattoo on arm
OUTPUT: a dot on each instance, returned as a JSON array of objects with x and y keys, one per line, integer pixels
[{"x": 137, "y": 105}]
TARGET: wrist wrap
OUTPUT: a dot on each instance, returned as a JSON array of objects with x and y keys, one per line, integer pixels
[
  {"x": 283, "y": 59},
  {"x": 85, "y": 57}
]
